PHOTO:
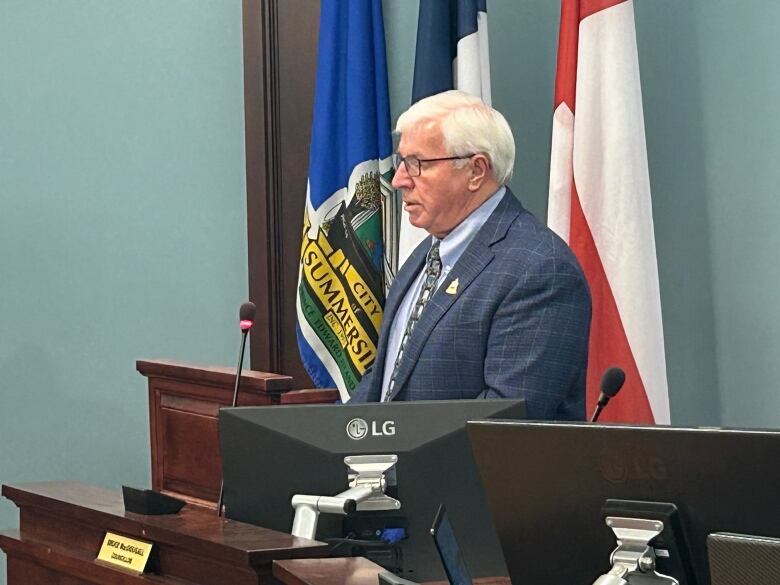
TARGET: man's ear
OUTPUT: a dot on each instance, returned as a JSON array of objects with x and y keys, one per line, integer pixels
[{"x": 480, "y": 171}]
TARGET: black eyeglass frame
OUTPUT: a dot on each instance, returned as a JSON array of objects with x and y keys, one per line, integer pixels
[{"x": 398, "y": 159}]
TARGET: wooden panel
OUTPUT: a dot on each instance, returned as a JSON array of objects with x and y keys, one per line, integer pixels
[
  {"x": 261, "y": 228},
  {"x": 216, "y": 396},
  {"x": 186, "y": 566},
  {"x": 187, "y": 405},
  {"x": 311, "y": 396},
  {"x": 280, "y": 52},
  {"x": 297, "y": 38},
  {"x": 52, "y": 529},
  {"x": 23, "y": 570},
  {"x": 191, "y": 454},
  {"x": 353, "y": 571},
  {"x": 215, "y": 376}
]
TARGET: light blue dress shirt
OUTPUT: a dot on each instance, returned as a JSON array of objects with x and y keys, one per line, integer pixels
[{"x": 451, "y": 248}]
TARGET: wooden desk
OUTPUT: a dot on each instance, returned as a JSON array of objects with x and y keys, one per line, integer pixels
[
  {"x": 62, "y": 526},
  {"x": 349, "y": 571}
]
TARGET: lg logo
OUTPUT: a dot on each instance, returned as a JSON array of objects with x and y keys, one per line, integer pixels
[
  {"x": 617, "y": 468},
  {"x": 358, "y": 429}
]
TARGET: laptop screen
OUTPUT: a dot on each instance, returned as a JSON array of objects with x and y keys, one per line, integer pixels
[{"x": 449, "y": 551}]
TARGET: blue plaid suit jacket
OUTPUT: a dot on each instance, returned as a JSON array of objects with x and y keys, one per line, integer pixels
[{"x": 517, "y": 327}]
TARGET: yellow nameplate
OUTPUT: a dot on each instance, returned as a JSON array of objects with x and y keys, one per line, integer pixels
[{"x": 122, "y": 551}]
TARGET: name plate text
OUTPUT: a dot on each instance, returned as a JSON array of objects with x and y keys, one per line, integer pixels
[{"x": 124, "y": 552}]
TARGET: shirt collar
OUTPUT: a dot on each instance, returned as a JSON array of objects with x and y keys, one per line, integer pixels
[{"x": 455, "y": 242}]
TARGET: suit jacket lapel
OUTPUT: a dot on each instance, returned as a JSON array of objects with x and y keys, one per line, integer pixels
[
  {"x": 404, "y": 279},
  {"x": 473, "y": 261}
]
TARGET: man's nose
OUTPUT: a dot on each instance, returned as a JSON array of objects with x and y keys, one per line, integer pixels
[{"x": 401, "y": 179}]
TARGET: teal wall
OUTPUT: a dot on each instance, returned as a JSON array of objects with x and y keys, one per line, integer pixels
[
  {"x": 122, "y": 222},
  {"x": 670, "y": 61},
  {"x": 739, "y": 89}
]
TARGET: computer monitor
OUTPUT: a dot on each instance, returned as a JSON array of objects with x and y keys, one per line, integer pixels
[
  {"x": 547, "y": 484},
  {"x": 270, "y": 454}
]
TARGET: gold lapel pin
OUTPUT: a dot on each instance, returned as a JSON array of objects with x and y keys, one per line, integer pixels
[{"x": 453, "y": 288}]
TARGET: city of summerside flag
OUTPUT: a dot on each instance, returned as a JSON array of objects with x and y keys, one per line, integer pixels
[
  {"x": 452, "y": 53},
  {"x": 600, "y": 201},
  {"x": 341, "y": 280}
]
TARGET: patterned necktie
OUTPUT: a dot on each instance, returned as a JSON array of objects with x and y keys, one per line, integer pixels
[{"x": 431, "y": 279}]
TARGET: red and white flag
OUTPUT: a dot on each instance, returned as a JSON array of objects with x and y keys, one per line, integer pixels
[{"x": 600, "y": 201}]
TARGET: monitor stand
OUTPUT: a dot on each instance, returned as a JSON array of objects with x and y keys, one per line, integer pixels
[
  {"x": 651, "y": 545},
  {"x": 367, "y": 483},
  {"x": 634, "y": 560}
]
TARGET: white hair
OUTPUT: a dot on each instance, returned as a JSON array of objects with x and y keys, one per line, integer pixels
[{"x": 468, "y": 126}]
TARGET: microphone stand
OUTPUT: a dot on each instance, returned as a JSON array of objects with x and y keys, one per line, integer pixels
[
  {"x": 597, "y": 411},
  {"x": 244, "y": 333}
]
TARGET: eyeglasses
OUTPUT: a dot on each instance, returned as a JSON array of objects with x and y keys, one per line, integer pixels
[{"x": 412, "y": 163}]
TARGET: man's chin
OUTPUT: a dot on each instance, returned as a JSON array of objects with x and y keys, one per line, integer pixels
[{"x": 416, "y": 221}]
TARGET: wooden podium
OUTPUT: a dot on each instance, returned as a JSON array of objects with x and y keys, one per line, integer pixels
[
  {"x": 184, "y": 403},
  {"x": 62, "y": 526}
]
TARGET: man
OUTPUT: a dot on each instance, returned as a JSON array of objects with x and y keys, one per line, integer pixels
[{"x": 493, "y": 304}]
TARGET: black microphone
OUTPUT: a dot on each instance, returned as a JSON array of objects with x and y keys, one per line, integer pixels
[
  {"x": 246, "y": 318},
  {"x": 611, "y": 383}
]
